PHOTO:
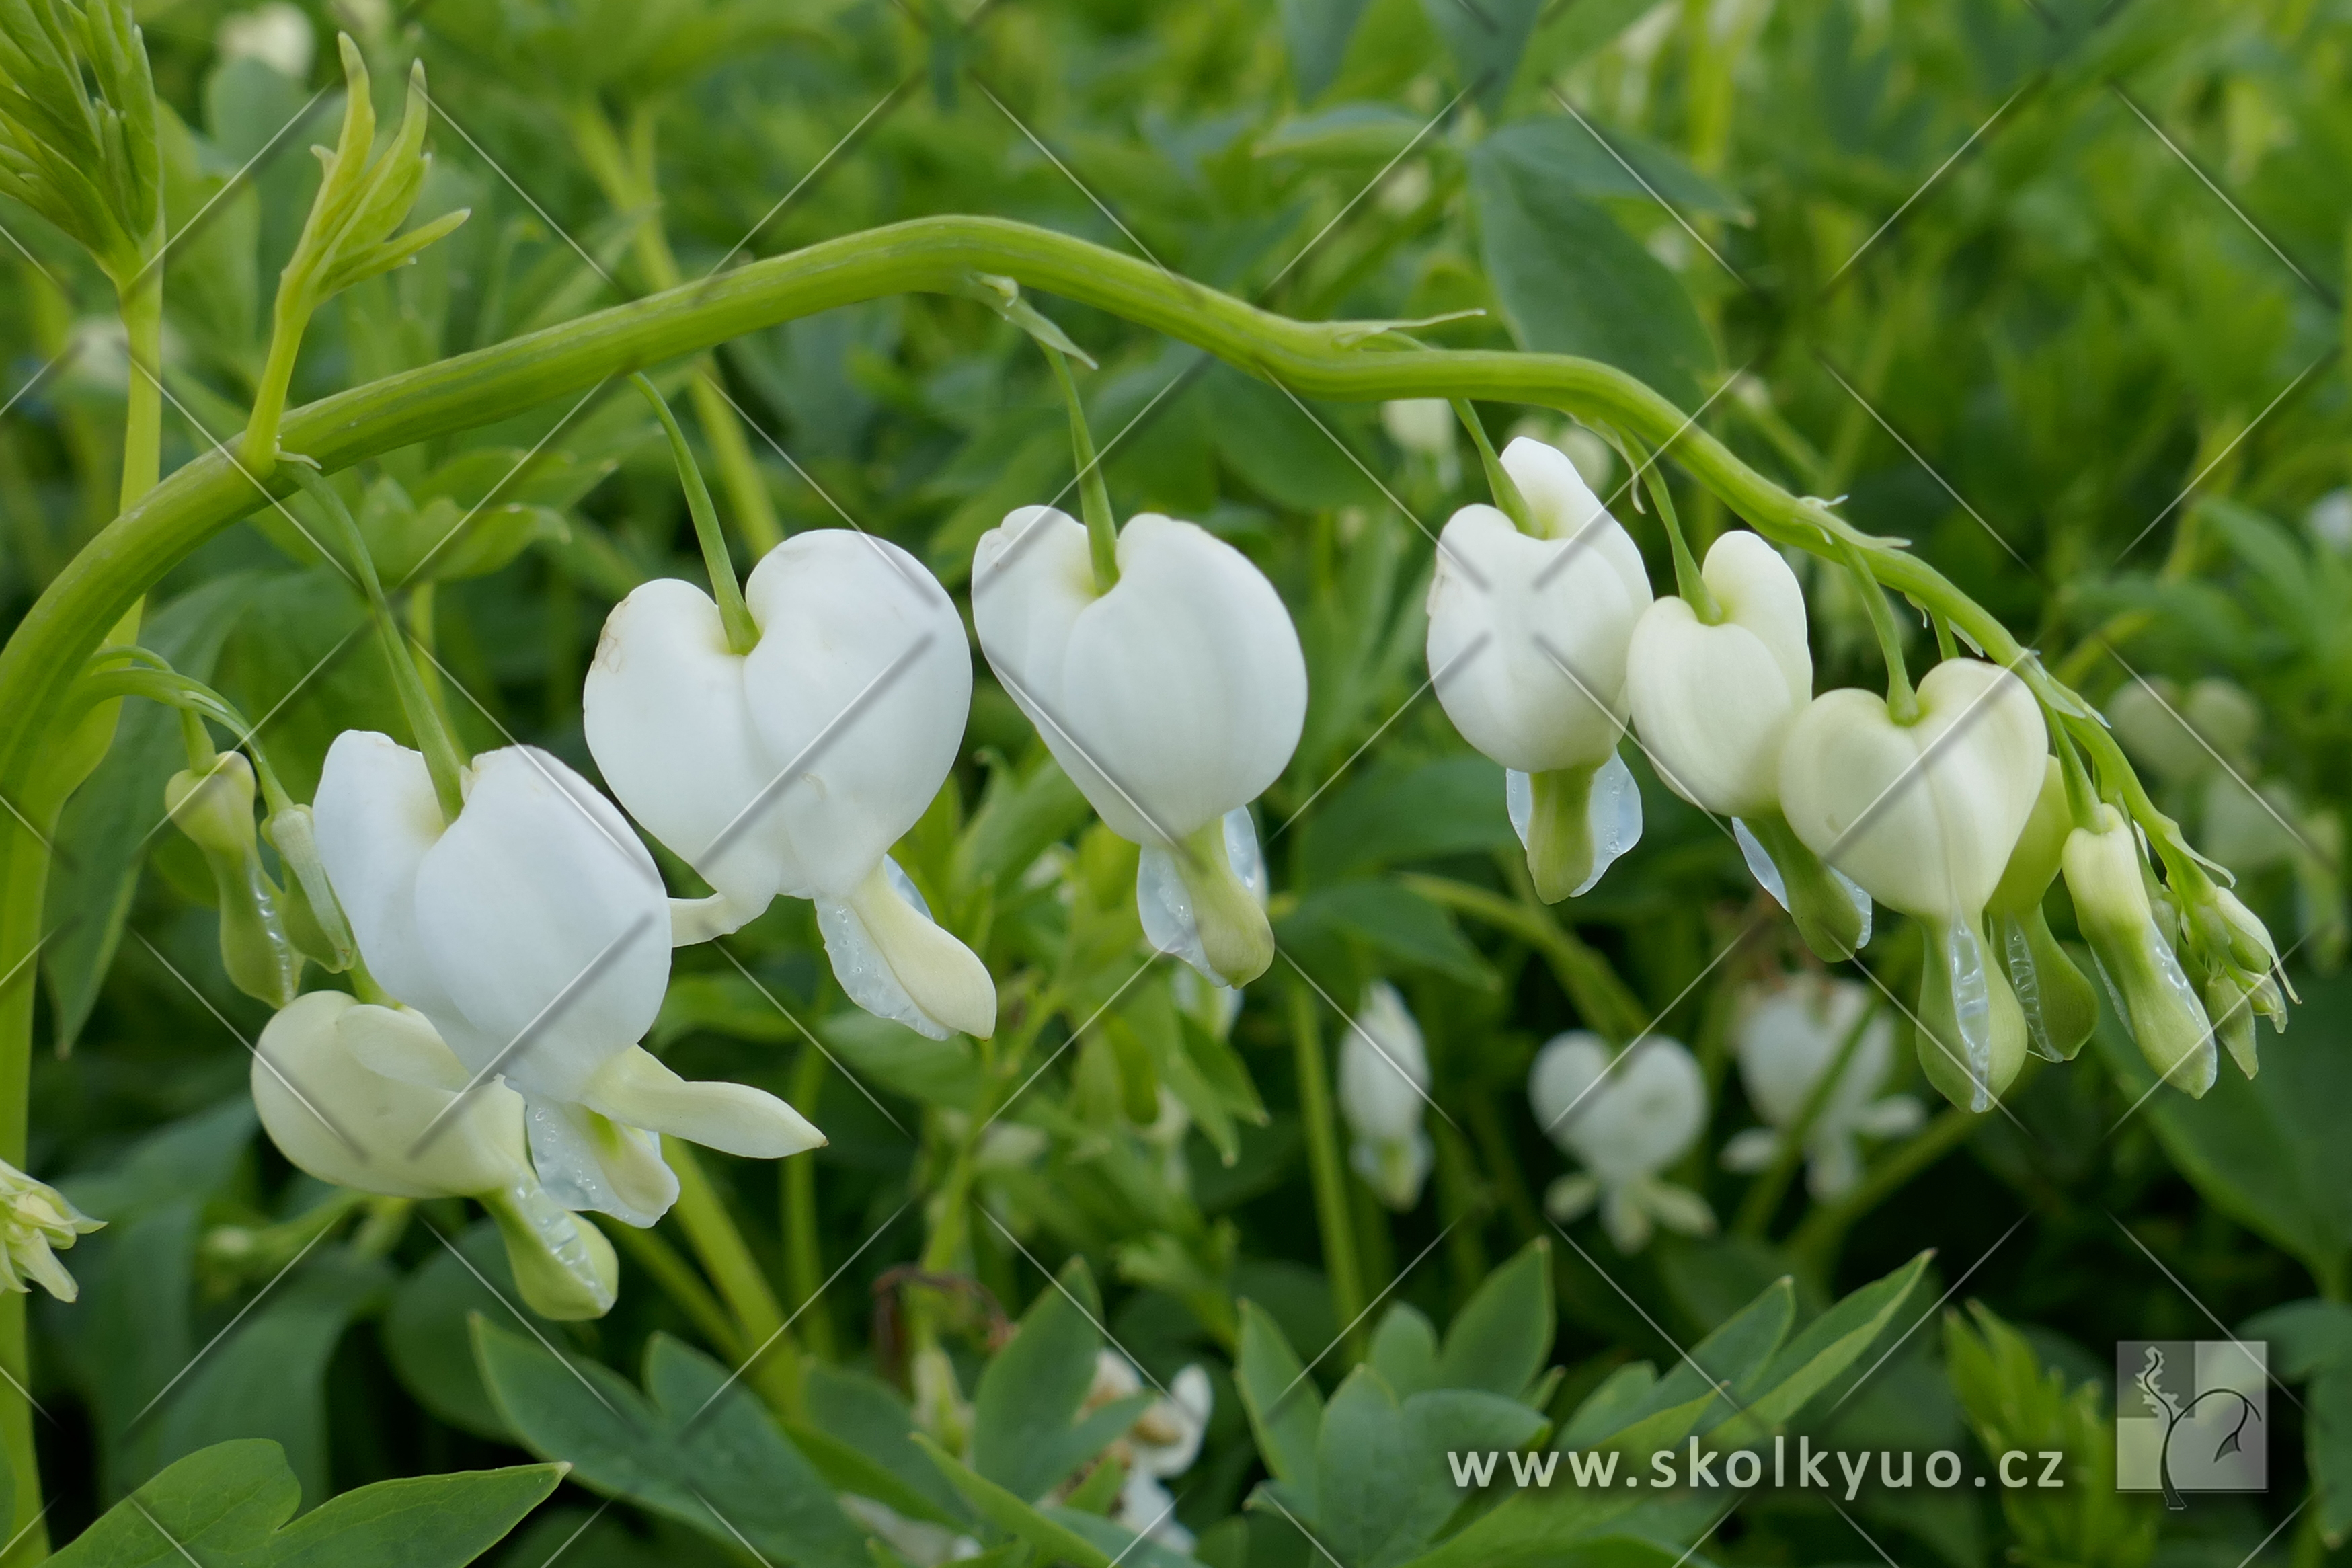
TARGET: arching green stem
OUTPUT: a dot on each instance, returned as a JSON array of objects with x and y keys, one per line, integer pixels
[{"x": 734, "y": 615}]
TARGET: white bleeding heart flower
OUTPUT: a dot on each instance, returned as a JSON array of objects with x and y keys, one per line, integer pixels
[
  {"x": 1924, "y": 816},
  {"x": 1383, "y": 1090},
  {"x": 792, "y": 768},
  {"x": 1788, "y": 1035},
  {"x": 1714, "y": 702},
  {"x": 36, "y": 1223},
  {"x": 533, "y": 932},
  {"x": 1625, "y": 1119},
  {"x": 2106, "y": 879},
  {"x": 1528, "y": 640},
  {"x": 1163, "y": 1442},
  {"x": 371, "y": 1099},
  {"x": 1173, "y": 701}
]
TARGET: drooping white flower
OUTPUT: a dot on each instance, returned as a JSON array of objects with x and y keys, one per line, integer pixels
[
  {"x": 36, "y": 1221},
  {"x": 1383, "y": 1090},
  {"x": 792, "y": 768},
  {"x": 1173, "y": 701},
  {"x": 1788, "y": 1035},
  {"x": 1714, "y": 702},
  {"x": 1527, "y": 639},
  {"x": 1164, "y": 1443},
  {"x": 1625, "y": 1119},
  {"x": 371, "y": 1099},
  {"x": 1924, "y": 816},
  {"x": 533, "y": 932}
]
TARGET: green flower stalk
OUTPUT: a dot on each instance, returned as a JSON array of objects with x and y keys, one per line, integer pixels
[{"x": 349, "y": 236}]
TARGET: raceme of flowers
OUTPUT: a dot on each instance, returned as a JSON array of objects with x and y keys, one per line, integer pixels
[{"x": 513, "y": 935}]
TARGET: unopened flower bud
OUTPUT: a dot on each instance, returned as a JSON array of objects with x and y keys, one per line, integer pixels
[
  {"x": 1384, "y": 1088},
  {"x": 2105, "y": 874},
  {"x": 2059, "y": 1006},
  {"x": 314, "y": 919},
  {"x": 35, "y": 1222},
  {"x": 214, "y": 807}
]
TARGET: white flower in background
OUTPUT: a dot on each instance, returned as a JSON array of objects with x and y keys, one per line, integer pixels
[
  {"x": 36, "y": 1222},
  {"x": 277, "y": 34},
  {"x": 533, "y": 932},
  {"x": 371, "y": 1099},
  {"x": 2184, "y": 737},
  {"x": 1924, "y": 816},
  {"x": 1625, "y": 1119},
  {"x": 1714, "y": 702},
  {"x": 794, "y": 768},
  {"x": 1173, "y": 701},
  {"x": 1164, "y": 1443},
  {"x": 2329, "y": 521},
  {"x": 1426, "y": 426},
  {"x": 1788, "y": 1035},
  {"x": 1527, "y": 639},
  {"x": 919, "y": 1542},
  {"x": 1384, "y": 1090}
]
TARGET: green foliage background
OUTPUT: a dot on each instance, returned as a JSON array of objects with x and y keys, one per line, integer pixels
[{"x": 2050, "y": 288}]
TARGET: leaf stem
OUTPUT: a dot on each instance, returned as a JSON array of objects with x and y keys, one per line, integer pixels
[
  {"x": 775, "y": 1368},
  {"x": 804, "y": 1241},
  {"x": 1333, "y": 1214},
  {"x": 1902, "y": 702},
  {"x": 742, "y": 633},
  {"x": 1094, "y": 495}
]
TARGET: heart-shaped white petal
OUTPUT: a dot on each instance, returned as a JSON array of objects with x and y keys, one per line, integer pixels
[
  {"x": 1923, "y": 816},
  {"x": 1712, "y": 702}
]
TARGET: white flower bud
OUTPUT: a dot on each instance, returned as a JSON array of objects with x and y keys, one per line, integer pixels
[
  {"x": 1173, "y": 701},
  {"x": 792, "y": 769},
  {"x": 1421, "y": 425},
  {"x": 1714, "y": 702},
  {"x": 533, "y": 931},
  {"x": 277, "y": 34},
  {"x": 1527, "y": 639},
  {"x": 1383, "y": 1090},
  {"x": 371, "y": 1099},
  {"x": 1625, "y": 1119},
  {"x": 35, "y": 1223},
  {"x": 2104, "y": 876}
]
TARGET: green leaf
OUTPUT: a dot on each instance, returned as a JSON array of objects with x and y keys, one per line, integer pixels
[
  {"x": 859, "y": 1423},
  {"x": 1316, "y": 33},
  {"x": 2267, "y": 1151},
  {"x": 1009, "y": 1513},
  {"x": 1501, "y": 1338},
  {"x": 936, "y": 1072},
  {"x": 1026, "y": 1433},
  {"x": 269, "y": 1377},
  {"x": 1561, "y": 149},
  {"x": 1828, "y": 1346},
  {"x": 1394, "y": 922},
  {"x": 2313, "y": 1340},
  {"x": 1284, "y": 1407},
  {"x": 227, "y": 1506},
  {"x": 1368, "y": 1505},
  {"x": 1404, "y": 1352},
  {"x": 1394, "y": 815},
  {"x": 1571, "y": 282},
  {"x": 429, "y": 1334},
  {"x": 112, "y": 821},
  {"x": 1122, "y": 1545},
  {"x": 1349, "y": 134},
  {"x": 1485, "y": 38},
  {"x": 696, "y": 1445},
  {"x": 1268, "y": 439}
]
